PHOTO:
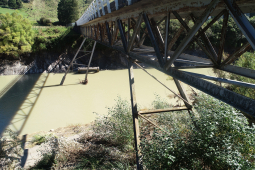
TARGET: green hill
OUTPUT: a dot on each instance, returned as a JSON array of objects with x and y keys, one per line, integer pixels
[{"x": 35, "y": 9}]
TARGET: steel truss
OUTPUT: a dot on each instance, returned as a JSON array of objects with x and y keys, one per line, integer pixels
[
  {"x": 116, "y": 33},
  {"x": 74, "y": 58}
]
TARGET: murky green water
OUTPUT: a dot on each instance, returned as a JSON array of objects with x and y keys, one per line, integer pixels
[{"x": 37, "y": 102}]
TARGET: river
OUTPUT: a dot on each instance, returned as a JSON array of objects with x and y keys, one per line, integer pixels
[{"x": 36, "y": 102}]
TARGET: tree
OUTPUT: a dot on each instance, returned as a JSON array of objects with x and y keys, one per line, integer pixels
[
  {"x": 12, "y": 4},
  {"x": 3, "y": 2},
  {"x": 19, "y": 4},
  {"x": 68, "y": 11},
  {"x": 16, "y": 34}
]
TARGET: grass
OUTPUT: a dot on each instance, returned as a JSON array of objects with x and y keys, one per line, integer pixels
[
  {"x": 48, "y": 9},
  {"x": 39, "y": 139},
  {"x": 7, "y": 10}
]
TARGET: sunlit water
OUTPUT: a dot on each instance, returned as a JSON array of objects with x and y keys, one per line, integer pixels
[{"x": 38, "y": 103}]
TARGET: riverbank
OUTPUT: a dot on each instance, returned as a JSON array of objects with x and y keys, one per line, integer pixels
[
  {"x": 183, "y": 140},
  {"x": 48, "y": 62}
]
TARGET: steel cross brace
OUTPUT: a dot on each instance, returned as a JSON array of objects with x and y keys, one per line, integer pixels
[
  {"x": 206, "y": 41},
  {"x": 204, "y": 37},
  {"x": 245, "y": 104},
  {"x": 64, "y": 77},
  {"x": 223, "y": 37},
  {"x": 108, "y": 33},
  {"x": 192, "y": 32},
  {"x": 153, "y": 40}
]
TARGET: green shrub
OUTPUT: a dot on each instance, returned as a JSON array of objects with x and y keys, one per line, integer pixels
[
  {"x": 39, "y": 139},
  {"x": 221, "y": 140},
  {"x": 47, "y": 161},
  {"x": 117, "y": 126},
  {"x": 54, "y": 38},
  {"x": 16, "y": 35},
  {"x": 44, "y": 21}
]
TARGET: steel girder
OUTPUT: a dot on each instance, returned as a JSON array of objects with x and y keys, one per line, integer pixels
[
  {"x": 110, "y": 30},
  {"x": 164, "y": 59}
]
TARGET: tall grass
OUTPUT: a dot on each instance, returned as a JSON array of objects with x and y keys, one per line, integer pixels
[{"x": 117, "y": 125}]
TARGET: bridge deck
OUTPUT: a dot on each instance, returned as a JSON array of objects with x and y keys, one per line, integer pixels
[{"x": 124, "y": 9}]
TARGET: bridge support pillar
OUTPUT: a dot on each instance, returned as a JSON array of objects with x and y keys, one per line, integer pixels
[{"x": 134, "y": 112}]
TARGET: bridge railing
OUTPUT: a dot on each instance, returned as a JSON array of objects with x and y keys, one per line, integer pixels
[{"x": 99, "y": 8}]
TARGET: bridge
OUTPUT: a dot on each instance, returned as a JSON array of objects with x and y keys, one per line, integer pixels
[{"x": 117, "y": 24}]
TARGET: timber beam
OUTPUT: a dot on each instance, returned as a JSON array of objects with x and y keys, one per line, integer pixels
[{"x": 162, "y": 110}]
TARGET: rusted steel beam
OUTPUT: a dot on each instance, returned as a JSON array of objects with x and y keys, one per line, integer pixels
[
  {"x": 234, "y": 82},
  {"x": 167, "y": 20},
  {"x": 115, "y": 32},
  {"x": 162, "y": 110},
  {"x": 223, "y": 37},
  {"x": 175, "y": 38},
  {"x": 137, "y": 26},
  {"x": 196, "y": 39},
  {"x": 157, "y": 34},
  {"x": 160, "y": 21},
  {"x": 91, "y": 32},
  {"x": 206, "y": 41},
  {"x": 122, "y": 34},
  {"x": 128, "y": 33},
  {"x": 103, "y": 32},
  {"x": 143, "y": 38},
  {"x": 151, "y": 122},
  {"x": 108, "y": 33},
  {"x": 111, "y": 27},
  {"x": 182, "y": 92},
  {"x": 236, "y": 54},
  {"x": 86, "y": 76},
  {"x": 192, "y": 32},
  {"x": 134, "y": 112},
  {"x": 239, "y": 71},
  {"x": 100, "y": 32},
  {"x": 211, "y": 23},
  {"x": 95, "y": 32},
  {"x": 153, "y": 40},
  {"x": 97, "y": 35}
]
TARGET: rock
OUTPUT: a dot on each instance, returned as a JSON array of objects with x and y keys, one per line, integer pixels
[{"x": 52, "y": 130}]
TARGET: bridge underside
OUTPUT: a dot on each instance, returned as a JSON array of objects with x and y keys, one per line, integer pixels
[
  {"x": 119, "y": 24},
  {"x": 120, "y": 29}
]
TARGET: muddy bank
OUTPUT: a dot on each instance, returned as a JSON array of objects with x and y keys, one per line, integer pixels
[{"x": 47, "y": 62}]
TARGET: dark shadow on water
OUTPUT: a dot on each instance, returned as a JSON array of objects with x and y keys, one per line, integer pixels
[
  {"x": 84, "y": 72},
  {"x": 57, "y": 85},
  {"x": 11, "y": 100}
]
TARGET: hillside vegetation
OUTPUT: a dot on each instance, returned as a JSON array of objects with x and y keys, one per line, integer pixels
[{"x": 35, "y": 9}]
